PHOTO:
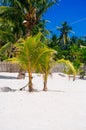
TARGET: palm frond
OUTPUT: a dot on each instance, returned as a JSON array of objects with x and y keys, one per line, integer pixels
[
  {"x": 3, "y": 48},
  {"x": 7, "y": 36},
  {"x": 69, "y": 66}
]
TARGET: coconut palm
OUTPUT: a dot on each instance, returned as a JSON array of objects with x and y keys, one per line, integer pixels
[
  {"x": 20, "y": 18},
  {"x": 10, "y": 29},
  {"x": 27, "y": 13},
  {"x": 69, "y": 67},
  {"x": 30, "y": 54},
  {"x": 12, "y": 20},
  {"x": 65, "y": 30},
  {"x": 44, "y": 66}
]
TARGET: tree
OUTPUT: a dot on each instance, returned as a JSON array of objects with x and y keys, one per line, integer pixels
[
  {"x": 64, "y": 30},
  {"x": 11, "y": 29},
  {"x": 83, "y": 58},
  {"x": 31, "y": 53},
  {"x": 20, "y": 18},
  {"x": 45, "y": 64},
  {"x": 27, "y": 12},
  {"x": 53, "y": 42},
  {"x": 70, "y": 69}
]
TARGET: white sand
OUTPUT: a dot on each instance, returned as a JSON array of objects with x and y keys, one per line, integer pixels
[{"x": 63, "y": 107}]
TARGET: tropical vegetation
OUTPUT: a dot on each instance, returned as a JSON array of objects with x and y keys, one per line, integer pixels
[
  {"x": 23, "y": 39},
  {"x": 34, "y": 56}
]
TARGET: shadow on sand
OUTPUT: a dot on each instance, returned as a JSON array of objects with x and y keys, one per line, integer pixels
[
  {"x": 56, "y": 91},
  {"x": 7, "y": 77}
]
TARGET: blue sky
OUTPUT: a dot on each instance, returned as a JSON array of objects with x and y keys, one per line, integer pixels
[{"x": 72, "y": 11}]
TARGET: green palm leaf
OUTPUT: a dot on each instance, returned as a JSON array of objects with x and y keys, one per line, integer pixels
[{"x": 69, "y": 66}]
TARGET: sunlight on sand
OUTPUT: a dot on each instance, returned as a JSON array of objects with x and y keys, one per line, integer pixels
[{"x": 62, "y": 107}]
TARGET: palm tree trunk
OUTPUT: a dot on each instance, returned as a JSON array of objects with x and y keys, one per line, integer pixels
[
  {"x": 84, "y": 67},
  {"x": 21, "y": 74},
  {"x": 65, "y": 39},
  {"x": 30, "y": 85},
  {"x": 45, "y": 83}
]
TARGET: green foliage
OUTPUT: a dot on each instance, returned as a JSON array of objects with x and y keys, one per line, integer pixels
[
  {"x": 14, "y": 12},
  {"x": 6, "y": 51},
  {"x": 33, "y": 55},
  {"x": 17, "y": 11},
  {"x": 83, "y": 55},
  {"x": 65, "y": 29},
  {"x": 77, "y": 65},
  {"x": 31, "y": 52},
  {"x": 69, "y": 67}
]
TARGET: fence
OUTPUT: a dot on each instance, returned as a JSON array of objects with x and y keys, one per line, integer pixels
[
  {"x": 8, "y": 67},
  {"x": 58, "y": 68},
  {"x": 12, "y": 67}
]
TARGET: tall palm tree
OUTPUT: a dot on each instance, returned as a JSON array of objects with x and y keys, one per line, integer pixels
[
  {"x": 21, "y": 18},
  {"x": 27, "y": 12},
  {"x": 12, "y": 17},
  {"x": 65, "y": 29},
  {"x": 11, "y": 28}
]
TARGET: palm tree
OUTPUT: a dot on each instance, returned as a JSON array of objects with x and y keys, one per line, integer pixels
[
  {"x": 12, "y": 18},
  {"x": 44, "y": 66},
  {"x": 10, "y": 29},
  {"x": 30, "y": 54},
  {"x": 70, "y": 69},
  {"x": 27, "y": 13},
  {"x": 65, "y": 29},
  {"x": 20, "y": 18},
  {"x": 33, "y": 55},
  {"x": 25, "y": 17},
  {"x": 53, "y": 43}
]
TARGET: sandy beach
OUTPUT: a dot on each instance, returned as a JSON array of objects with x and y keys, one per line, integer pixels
[{"x": 62, "y": 107}]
